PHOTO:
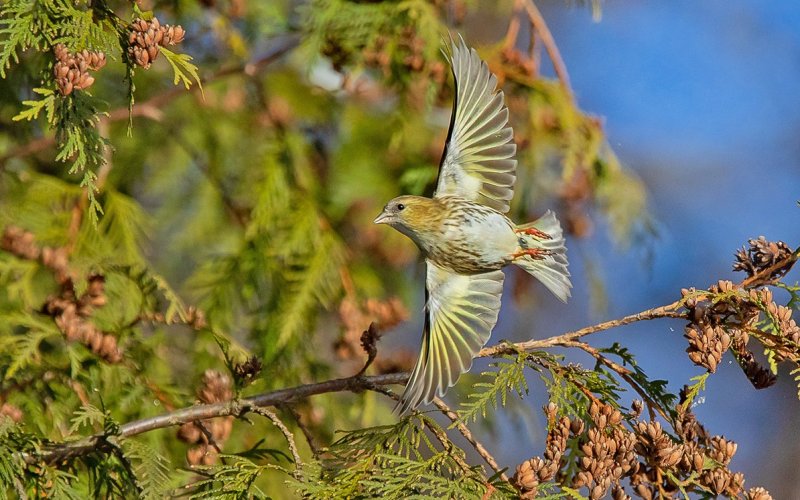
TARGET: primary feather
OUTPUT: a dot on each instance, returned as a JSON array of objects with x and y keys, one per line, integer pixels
[
  {"x": 461, "y": 311},
  {"x": 478, "y": 162}
]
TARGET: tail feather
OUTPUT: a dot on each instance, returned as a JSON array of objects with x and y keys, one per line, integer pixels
[{"x": 552, "y": 269}]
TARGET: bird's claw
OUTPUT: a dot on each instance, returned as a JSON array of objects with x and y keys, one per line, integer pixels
[
  {"x": 534, "y": 253},
  {"x": 536, "y": 233}
]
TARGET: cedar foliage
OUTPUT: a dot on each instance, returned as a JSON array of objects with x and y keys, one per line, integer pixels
[{"x": 123, "y": 202}]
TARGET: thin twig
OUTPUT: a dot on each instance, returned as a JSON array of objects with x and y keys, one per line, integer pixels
[
  {"x": 464, "y": 430},
  {"x": 298, "y": 463},
  {"x": 510, "y": 40},
  {"x": 298, "y": 419},
  {"x": 540, "y": 27},
  {"x": 99, "y": 442},
  {"x": 226, "y": 408},
  {"x": 625, "y": 374},
  {"x": 207, "y": 433},
  {"x": 448, "y": 446},
  {"x": 667, "y": 311}
]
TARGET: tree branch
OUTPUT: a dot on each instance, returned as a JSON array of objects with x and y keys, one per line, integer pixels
[
  {"x": 668, "y": 311},
  {"x": 358, "y": 383},
  {"x": 540, "y": 26},
  {"x": 99, "y": 442},
  {"x": 298, "y": 463},
  {"x": 464, "y": 430}
]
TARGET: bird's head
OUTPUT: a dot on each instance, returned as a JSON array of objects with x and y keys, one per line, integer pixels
[{"x": 411, "y": 215}]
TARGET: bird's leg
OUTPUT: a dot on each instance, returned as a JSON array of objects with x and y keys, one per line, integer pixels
[
  {"x": 535, "y": 253},
  {"x": 536, "y": 233}
]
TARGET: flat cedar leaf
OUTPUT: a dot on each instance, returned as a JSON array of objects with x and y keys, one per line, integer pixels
[
  {"x": 571, "y": 493},
  {"x": 773, "y": 363},
  {"x": 86, "y": 415},
  {"x": 35, "y": 107},
  {"x": 510, "y": 376},
  {"x": 152, "y": 469},
  {"x": 94, "y": 210},
  {"x": 694, "y": 389},
  {"x": 185, "y": 71},
  {"x": 26, "y": 349},
  {"x": 796, "y": 375}
]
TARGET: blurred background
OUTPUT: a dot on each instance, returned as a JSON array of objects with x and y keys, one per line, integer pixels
[{"x": 700, "y": 100}]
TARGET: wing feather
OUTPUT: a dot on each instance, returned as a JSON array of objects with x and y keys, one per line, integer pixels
[
  {"x": 478, "y": 162},
  {"x": 461, "y": 311}
]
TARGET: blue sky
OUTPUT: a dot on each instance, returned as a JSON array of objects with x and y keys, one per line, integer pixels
[{"x": 701, "y": 100}]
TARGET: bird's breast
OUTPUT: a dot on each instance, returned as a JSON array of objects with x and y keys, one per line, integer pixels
[{"x": 473, "y": 239}]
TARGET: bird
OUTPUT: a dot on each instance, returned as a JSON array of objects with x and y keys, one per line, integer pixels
[{"x": 465, "y": 236}]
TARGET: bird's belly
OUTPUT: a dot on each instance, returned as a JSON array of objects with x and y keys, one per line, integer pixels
[{"x": 477, "y": 244}]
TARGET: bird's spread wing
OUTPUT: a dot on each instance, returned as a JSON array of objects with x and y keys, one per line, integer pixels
[
  {"x": 478, "y": 161},
  {"x": 461, "y": 311}
]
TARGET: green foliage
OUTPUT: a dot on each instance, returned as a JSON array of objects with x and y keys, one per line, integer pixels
[
  {"x": 233, "y": 480},
  {"x": 572, "y": 387},
  {"x": 74, "y": 118},
  {"x": 394, "y": 461},
  {"x": 11, "y": 463},
  {"x": 655, "y": 389},
  {"x": 497, "y": 384},
  {"x": 185, "y": 71},
  {"x": 694, "y": 390},
  {"x": 151, "y": 469},
  {"x": 47, "y": 104}
]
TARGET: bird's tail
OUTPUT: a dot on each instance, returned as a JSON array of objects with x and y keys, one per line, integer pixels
[{"x": 544, "y": 254}]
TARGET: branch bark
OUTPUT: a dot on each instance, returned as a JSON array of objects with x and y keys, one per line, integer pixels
[
  {"x": 100, "y": 442},
  {"x": 358, "y": 382}
]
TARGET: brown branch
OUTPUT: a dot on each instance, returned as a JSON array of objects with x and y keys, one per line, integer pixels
[
  {"x": 298, "y": 419},
  {"x": 284, "y": 430},
  {"x": 510, "y": 40},
  {"x": 464, "y": 430},
  {"x": 99, "y": 442},
  {"x": 668, "y": 311},
  {"x": 540, "y": 28}
]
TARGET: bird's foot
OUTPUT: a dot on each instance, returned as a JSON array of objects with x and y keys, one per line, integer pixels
[
  {"x": 534, "y": 253},
  {"x": 536, "y": 233}
]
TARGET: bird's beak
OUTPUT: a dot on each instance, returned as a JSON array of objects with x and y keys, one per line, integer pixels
[{"x": 383, "y": 218}]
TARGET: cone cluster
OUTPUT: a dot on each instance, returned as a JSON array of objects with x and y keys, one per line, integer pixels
[
  {"x": 7, "y": 410},
  {"x": 609, "y": 447},
  {"x": 71, "y": 70},
  {"x": 72, "y": 313},
  {"x": 390, "y": 54},
  {"x": 762, "y": 255},
  {"x": 707, "y": 344},
  {"x": 23, "y": 244},
  {"x": 208, "y": 436},
  {"x": 146, "y": 37},
  {"x": 531, "y": 473},
  {"x": 724, "y": 319},
  {"x": 246, "y": 372}
]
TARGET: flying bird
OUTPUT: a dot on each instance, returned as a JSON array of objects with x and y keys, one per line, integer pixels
[{"x": 465, "y": 236}]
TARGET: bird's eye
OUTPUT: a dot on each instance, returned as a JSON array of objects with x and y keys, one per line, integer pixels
[{"x": 400, "y": 206}]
